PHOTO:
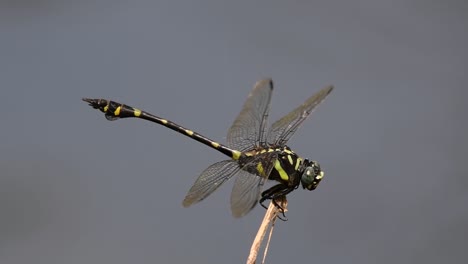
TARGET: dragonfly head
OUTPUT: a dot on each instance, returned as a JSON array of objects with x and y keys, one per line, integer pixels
[{"x": 312, "y": 175}]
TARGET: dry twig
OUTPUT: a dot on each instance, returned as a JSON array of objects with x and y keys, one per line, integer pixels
[{"x": 268, "y": 221}]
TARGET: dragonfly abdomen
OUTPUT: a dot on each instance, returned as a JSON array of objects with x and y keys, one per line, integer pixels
[{"x": 114, "y": 110}]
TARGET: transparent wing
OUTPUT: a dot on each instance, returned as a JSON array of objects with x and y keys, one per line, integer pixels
[
  {"x": 248, "y": 130},
  {"x": 249, "y": 183},
  {"x": 282, "y": 130},
  {"x": 209, "y": 180},
  {"x": 246, "y": 193}
]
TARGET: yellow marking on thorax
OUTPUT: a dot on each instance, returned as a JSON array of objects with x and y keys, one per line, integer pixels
[
  {"x": 215, "y": 144},
  {"x": 189, "y": 132},
  {"x": 290, "y": 159},
  {"x": 106, "y": 108},
  {"x": 136, "y": 112},
  {"x": 298, "y": 162},
  {"x": 282, "y": 173},
  {"x": 260, "y": 169},
  {"x": 164, "y": 121},
  {"x": 236, "y": 154},
  {"x": 117, "y": 111},
  {"x": 251, "y": 153},
  {"x": 288, "y": 151}
]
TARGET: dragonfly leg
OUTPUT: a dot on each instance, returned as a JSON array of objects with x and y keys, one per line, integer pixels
[{"x": 275, "y": 193}]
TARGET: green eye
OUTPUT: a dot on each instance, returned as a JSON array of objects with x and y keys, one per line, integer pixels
[{"x": 311, "y": 176}]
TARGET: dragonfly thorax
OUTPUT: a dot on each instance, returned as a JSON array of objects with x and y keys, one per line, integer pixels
[{"x": 281, "y": 164}]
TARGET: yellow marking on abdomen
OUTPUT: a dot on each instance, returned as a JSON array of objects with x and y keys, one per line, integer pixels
[
  {"x": 136, "y": 112},
  {"x": 106, "y": 108},
  {"x": 236, "y": 154},
  {"x": 164, "y": 121},
  {"x": 279, "y": 169},
  {"x": 290, "y": 159},
  {"x": 189, "y": 132},
  {"x": 117, "y": 111},
  {"x": 215, "y": 144}
]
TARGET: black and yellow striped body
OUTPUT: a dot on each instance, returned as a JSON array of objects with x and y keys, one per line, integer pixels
[
  {"x": 114, "y": 110},
  {"x": 285, "y": 168},
  {"x": 287, "y": 165},
  {"x": 256, "y": 154}
]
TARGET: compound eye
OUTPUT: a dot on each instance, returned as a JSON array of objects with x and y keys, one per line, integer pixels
[
  {"x": 311, "y": 176},
  {"x": 308, "y": 178}
]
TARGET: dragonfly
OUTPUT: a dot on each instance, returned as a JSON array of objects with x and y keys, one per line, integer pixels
[{"x": 256, "y": 153}]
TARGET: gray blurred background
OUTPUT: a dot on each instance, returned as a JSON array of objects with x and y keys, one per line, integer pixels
[{"x": 75, "y": 188}]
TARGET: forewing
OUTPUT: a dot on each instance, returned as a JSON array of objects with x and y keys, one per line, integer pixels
[
  {"x": 249, "y": 183},
  {"x": 209, "y": 180},
  {"x": 248, "y": 130},
  {"x": 282, "y": 130}
]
